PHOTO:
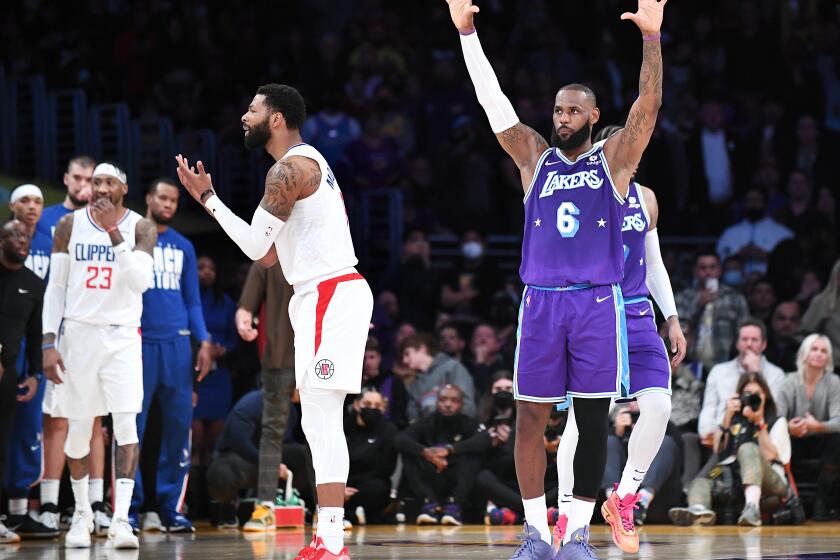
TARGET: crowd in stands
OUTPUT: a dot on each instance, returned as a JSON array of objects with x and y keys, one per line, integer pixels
[{"x": 739, "y": 162}]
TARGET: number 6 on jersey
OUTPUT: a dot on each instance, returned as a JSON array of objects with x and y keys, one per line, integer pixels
[{"x": 567, "y": 224}]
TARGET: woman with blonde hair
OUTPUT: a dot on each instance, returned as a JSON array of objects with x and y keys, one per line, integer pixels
[
  {"x": 810, "y": 399},
  {"x": 823, "y": 315}
]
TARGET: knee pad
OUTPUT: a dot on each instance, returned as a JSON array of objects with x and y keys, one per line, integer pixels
[
  {"x": 322, "y": 420},
  {"x": 125, "y": 427},
  {"x": 77, "y": 444}
]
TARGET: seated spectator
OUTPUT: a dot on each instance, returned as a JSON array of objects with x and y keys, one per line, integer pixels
[
  {"x": 754, "y": 237},
  {"x": 752, "y": 341},
  {"x": 662, "y": 479},
  {"x": 761, "y": 299},
  {"x": 373, "y": 458},
  {"x": 753, "y": 438},
  {"x": 712, "y": 309},
  {"x": 401, "y": 369},
  {"x": 810, "y": 400},
  {"x": 435, "y": 371},
  {"x": 496, "y": 482},
  {"x": 452, "y": 341},
  {"x": 822, "y": 315},
  {"x": 389, "y": 385},
  {"x": 486, "y": 357},
  {"x": 782, "y": 344},
  {"x": 442, "y": 454},
  {"x": 470, "y": 285},
  {"x": 234, "y": 465}
]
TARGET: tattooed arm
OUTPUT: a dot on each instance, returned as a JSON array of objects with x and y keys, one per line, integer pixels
[
  {"x": 624, "y": 149},
  {"x": 287, "y": 181},
  {"x": 525, "y": 145}
]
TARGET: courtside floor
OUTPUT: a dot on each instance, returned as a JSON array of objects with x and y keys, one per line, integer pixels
[{"x": 812, "y": 541}]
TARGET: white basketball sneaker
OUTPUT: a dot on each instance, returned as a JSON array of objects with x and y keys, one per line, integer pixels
[
  {"x": 121, "y": 535},
  {"x": 80, "y": 529}
]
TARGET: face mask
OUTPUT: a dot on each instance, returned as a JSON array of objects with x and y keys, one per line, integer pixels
[
  {"x": 733, "y": 277},
  {"x": 503, "y": 400},
  {"x": 472, "y": 249},
  {"x": 372, "y": 417}
]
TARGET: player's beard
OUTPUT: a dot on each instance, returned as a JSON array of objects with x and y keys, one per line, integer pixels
[
  {"x": 78, "y": 202},
  {"x": 576, "y": 140},
  {"x": 258, "y": 136},
  {"x": 161, "y": 219}
]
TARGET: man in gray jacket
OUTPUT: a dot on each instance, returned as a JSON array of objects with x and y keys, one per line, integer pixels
[{"x": 435, "y": 370}]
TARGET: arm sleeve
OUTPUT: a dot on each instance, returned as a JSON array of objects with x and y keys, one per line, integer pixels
[
  {"x": 56, "y": 293},
  {"x": 190, "y": 293},
  {"x": 253, "y": 293},
  {"x": 657, "y": 279},
  {"x": 254, "y": 239},
  {"x": 136, "y": 266},
  {"x": 707, "y": 422},
  {"x": 34, "y": 337},
  {"x": 499, "y": 110}
]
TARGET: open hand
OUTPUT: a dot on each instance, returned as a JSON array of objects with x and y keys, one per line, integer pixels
[
  {"x": 462, "y": 12},
  {"x": 648, "y": 17},
  {"x": 195, "y": 183}
]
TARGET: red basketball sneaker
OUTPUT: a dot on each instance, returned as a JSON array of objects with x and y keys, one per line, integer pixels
[{"x": 317, "y": 551}]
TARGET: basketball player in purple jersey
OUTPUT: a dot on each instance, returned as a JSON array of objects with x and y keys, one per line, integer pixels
[
  {"x": 571, "y": 322},
  {"x": 650, "y": 376}
]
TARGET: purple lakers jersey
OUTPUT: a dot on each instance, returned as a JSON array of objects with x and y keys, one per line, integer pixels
[
  {"x": 633, "y": 231},
  {"x": 573, "y": 217}
]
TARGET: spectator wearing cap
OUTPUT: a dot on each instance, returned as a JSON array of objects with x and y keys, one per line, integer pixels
[
  {"x": 435, "y": 370},
  {"x": 384, "y": 382}
]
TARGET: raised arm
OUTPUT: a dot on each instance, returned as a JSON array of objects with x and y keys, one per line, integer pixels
[
  {"x": 521, "y": 142},
  {"x": 625, "y": 148},
  {"x": 287, "y": 181}
]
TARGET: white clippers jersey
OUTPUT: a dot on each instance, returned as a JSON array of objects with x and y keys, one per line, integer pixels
[
  {"x": 96, "y": 291},
  {"x": 316, "y": 242}
]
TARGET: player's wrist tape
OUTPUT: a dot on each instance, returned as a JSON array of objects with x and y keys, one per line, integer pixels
[
  {"x": 255, "y": 238},
  {"x": 498, "y": 107},
  {"x": 111, "y": 229},
  {"x": 47, "y": 346}
]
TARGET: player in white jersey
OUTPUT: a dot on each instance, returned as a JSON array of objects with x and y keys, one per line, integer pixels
[
  {"x": 101, "y": 265},
  {"x": 301, "y": 221}
]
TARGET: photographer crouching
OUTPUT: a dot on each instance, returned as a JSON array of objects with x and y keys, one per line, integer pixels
[{"x": 753, "y": 445}]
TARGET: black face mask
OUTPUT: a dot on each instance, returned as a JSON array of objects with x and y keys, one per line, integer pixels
[
  {"x": 372, "y": 417},
  {"x": 503, "y": 400}
]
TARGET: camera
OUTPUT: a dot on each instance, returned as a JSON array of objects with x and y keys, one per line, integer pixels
[{"x": 750, "y": 400}]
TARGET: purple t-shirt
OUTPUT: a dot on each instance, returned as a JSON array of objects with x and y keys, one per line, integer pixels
[{"x": 573, "y": 218}]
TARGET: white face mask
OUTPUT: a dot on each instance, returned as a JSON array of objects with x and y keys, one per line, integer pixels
[{"x": 472, "y": 249}]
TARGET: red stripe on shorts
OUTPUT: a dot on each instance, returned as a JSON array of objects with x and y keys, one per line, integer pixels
[{"x": 326, "y": 290}]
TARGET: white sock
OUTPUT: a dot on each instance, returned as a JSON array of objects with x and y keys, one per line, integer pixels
[
  {"x": 752, "y": 494},
  {"x": 631, "y": 479},
  {"x": 536, "y": 514},
  {"x": 49, "y": 490},
  {"x": 80, "y": 493},
  {"x": 564, "y": 504},
  {"x": 331, "y": 528},
  {"x": 580, "y": 515},
  {"x": 96, "y": 490},
  {"x": 17, "y": 506},
  {"x": 123, "y": 489}
]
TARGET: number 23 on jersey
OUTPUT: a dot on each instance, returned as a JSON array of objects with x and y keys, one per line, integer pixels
[{"x": 99, "y": 277}]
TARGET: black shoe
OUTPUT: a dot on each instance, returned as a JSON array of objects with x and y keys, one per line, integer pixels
[
  {"x": 639, "y": 515},
  {"x": 30, "y": 528},
  {"x": 13, "y": 521}
]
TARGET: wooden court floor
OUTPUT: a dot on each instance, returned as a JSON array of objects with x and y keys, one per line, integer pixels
[{"x": 812, "y": 541}]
